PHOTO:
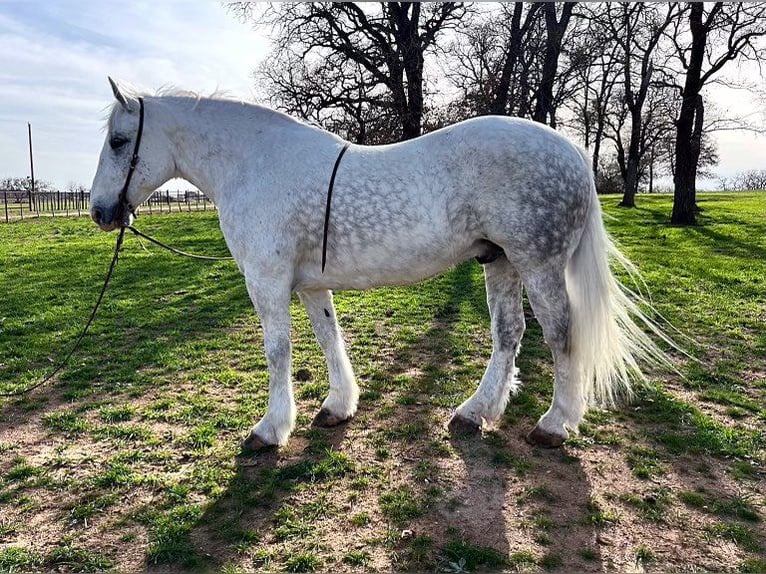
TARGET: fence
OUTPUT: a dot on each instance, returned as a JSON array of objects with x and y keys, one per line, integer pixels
[{"x": 23, "y": 204}]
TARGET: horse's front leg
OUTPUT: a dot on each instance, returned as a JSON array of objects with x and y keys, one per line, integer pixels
[
  {"x": 340, "y": 404},
  {"x": 271, "y": 297}
]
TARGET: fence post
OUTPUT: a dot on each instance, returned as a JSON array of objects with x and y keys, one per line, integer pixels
[{"x": 5, "y": 201}]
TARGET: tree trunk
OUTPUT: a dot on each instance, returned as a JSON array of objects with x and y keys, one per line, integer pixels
[
  {"x": 500, "y": 102},
  {"x": 684, "y": 193},
  {"x": 596, "y": 153},
  {"x": 696, "y": 144},
  {"x": 408, "y": 41},
  {"x": 631, "y": 167},
  {"x": 554, "y": 34}
]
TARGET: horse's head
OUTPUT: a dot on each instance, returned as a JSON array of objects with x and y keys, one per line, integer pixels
[{"x": 155, "y": 166}]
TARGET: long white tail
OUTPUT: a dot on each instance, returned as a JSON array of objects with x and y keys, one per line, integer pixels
[{"x": 606, "y": 344}]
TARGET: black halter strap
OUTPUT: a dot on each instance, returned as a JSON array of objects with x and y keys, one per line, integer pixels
[
  {"x": 329, "y": 202},
  {"x": 122, "y": 202}
]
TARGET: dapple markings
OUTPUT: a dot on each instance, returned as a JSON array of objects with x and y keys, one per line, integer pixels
[{"x": 512, "y": 193}]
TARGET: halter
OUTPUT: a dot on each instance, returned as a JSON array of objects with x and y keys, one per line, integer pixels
[
  {"x": 122, "y": 200},
  {"x": 123, "y": 205}
]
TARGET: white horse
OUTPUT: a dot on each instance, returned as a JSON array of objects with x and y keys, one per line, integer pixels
[{"x": 514, "y": 194}]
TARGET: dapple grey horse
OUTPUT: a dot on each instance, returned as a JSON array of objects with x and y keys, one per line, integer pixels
[{"x": 515, "y": 194}]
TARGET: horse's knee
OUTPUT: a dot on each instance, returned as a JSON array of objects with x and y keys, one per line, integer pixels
[{"x": 277, "y": 351}]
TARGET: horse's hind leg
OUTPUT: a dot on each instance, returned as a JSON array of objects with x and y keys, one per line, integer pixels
[
  {"x": 505, "y": 309},
  {"x": 340, "y": 404},
  {"x": 546, "y": 288}
]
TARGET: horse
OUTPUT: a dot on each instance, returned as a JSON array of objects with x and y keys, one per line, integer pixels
[{"x": 514, "y": 194}]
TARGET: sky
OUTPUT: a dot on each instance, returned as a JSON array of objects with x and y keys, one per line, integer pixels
[{"x": 55, "y": 57}]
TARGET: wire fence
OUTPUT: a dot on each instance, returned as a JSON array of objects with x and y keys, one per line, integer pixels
[{"x": 18, "y": 205}]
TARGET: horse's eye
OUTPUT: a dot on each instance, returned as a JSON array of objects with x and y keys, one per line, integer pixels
[{"x": 117, "y": 142}]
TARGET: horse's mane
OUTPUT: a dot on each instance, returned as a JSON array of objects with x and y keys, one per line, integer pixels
[
  {"x": 167, "y": 91},
  {"x": 195, "y": 98}
]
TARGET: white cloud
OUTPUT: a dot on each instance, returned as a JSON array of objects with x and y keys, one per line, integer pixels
[
  {"x": 55, "y": 57},
  {"x": 54, "y": 64}
]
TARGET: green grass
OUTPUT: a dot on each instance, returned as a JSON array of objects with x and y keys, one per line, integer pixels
[
  {"x": 77, "y": 559},
  {"x": 169, "y": 541},
  {"x": 146, "y": 420},
  {"x": 401, "y": 505},
  {"x": 743, "y": 536},
  {"x": 17, "y": 559},
  {"x": 303, "y": 563},
  {"x": 471, "y": 557}
]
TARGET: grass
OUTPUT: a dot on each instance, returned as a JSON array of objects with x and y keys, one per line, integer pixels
[
  {"x": 471, "y": 557},
  {"x": 400, "y": 505},
  {"x": 138, "y": 438},
  {"x": 17, "y": 559},
  {"x": 77, "y": 559}
]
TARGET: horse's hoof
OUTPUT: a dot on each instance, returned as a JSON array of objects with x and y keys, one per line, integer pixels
[
  {"x": 545, "y": 439},
  {"x": 254, "y": 443},
  {"x": 461, "y": 425},
  {"x": 325, "y": 419}
]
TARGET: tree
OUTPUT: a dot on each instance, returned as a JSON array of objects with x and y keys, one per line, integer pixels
[
  {"x": 494, "y": 61},
  {"x": 754, "y": 179},
  {"x": 637, "y": 29},
  {"x": 555, "y": 26},
  {"x": 378, "y": 53},
  {"x": 514, "y": 61},
  {"x": 718, "y": 33},
  {"x": 20, "y": 187},
  {"x": 516, "y": 35},
  {"x": 597, "y": 79}
]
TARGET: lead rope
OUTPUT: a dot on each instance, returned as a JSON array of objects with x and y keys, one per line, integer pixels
[
  {"x": 61, "y": 365},
  {"x": 123, "y": 204},
  {"x": 112, "y": 265},
  {"x": 175, "y": 250}
]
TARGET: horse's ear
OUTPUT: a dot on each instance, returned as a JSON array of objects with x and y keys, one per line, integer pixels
[{"x": 118, "y": 95}]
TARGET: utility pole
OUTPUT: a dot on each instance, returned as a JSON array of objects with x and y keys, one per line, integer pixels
[{"x": 31, "y": 166}]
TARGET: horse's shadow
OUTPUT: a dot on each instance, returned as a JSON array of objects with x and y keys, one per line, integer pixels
[{"x": 482, "y": 501}]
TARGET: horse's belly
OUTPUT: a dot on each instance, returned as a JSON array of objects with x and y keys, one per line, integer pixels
[{"x": 378, "y": 266}]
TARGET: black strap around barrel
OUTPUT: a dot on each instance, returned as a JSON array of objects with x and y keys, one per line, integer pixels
[{"x": 329, "y": 203}]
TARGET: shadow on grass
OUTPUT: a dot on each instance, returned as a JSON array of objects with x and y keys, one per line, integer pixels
[
  {"x": 139, "y": 328},
  {"x": 456, "y": 493}
]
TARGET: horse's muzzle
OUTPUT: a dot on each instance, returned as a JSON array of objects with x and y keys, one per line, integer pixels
[{"x": 107, "y": 218}]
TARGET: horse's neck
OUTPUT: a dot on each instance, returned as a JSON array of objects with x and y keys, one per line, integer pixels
[{"x": 215, "y": 139}]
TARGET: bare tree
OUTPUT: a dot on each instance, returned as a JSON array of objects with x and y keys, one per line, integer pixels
[
  {"x": 754, "y": 179},
  {"x": 494, "y": 59},
  {"x": 378, "y": 50},
  {"x": 556, "y": 22},
  {"x": 718, "y": 33},
  {"x": 597, "y": 78},
  {"x": 637, "y": 29},
  {"x": 521, "y": 21},
  {"x": 516, "y": 61}
]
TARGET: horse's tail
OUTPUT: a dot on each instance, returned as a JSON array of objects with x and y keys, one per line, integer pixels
[{"x": 606, "y": 344}]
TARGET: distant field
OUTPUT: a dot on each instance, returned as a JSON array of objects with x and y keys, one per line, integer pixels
[{"x": 130, "y": 461}]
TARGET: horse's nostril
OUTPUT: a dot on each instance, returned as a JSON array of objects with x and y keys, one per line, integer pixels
[{"x": 96, "y": 215}]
